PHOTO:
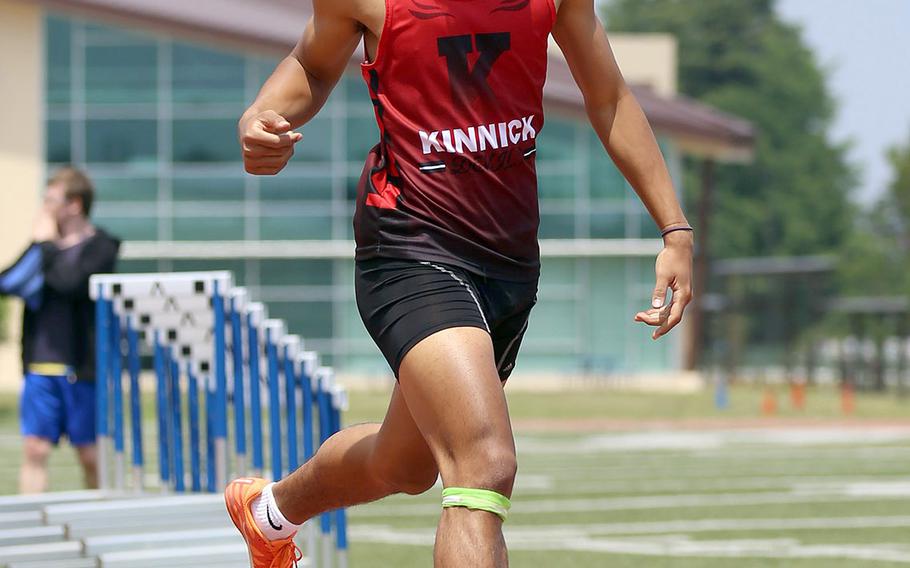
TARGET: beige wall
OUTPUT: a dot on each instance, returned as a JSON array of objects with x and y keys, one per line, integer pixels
[
  {"x": 648, "y": 59},
  {"x": 21, "y": 147},
  {"x": 645, "y": 59}
]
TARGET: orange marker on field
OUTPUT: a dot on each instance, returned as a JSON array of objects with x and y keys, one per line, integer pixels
[
  {"x": 769, "y": 402},
  {"x": 798, "y": 395},
  {"x": 847, "y": 399}
]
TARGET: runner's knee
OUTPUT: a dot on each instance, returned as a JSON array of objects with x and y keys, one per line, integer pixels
[
  {"x": 491, "y": 465},
  {"x": 405, "y": 477}
]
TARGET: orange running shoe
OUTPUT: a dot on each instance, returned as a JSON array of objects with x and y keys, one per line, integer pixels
[{"x": 264, "y": 553}]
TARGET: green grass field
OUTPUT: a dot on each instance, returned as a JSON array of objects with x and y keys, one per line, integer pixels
[{"x": 684, "y": 488}]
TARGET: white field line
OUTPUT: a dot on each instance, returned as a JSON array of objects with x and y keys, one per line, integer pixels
[
  {"x": 675, "y": 471},
  {"x": 774, "y": 548},
  {"x": 673, "y": 545},
  {"x": 727, "y": 455},
  {"x": 687, "y": 526},
  {"x": 694, "y": 440},
  {"x": 533, "y": 484},
  {"x": 647, "y": 502}
]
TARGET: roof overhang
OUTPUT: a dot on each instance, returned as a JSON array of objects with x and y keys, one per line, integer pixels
[{"x": 274, "y": 26}]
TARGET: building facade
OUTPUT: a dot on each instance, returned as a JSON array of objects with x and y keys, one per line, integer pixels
[{"x": 150, "y": 110}]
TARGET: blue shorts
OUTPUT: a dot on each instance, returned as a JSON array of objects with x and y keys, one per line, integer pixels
[{"x": 53, "y": 406}]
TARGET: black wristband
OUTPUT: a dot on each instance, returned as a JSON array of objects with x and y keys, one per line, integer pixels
[{"x": 666, "y": 232}]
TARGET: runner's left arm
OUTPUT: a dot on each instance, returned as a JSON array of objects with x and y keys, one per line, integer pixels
[{"x": 626, "y": 135}]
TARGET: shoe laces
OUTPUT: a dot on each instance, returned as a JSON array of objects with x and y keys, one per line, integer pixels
[{"x": 287, "y": 555}]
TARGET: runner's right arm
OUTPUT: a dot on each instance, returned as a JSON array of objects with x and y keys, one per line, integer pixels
[{"x": 299, "y": 87}]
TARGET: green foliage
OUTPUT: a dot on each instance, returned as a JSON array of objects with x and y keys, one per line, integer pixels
[
  {"x": 877, "y": 258},
  {"x": 738, "y": 56}
]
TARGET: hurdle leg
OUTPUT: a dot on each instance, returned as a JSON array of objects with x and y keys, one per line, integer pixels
[
  {"x": 135, "y": 403},
  {"x": 274, "y": 405},
  {"x": 220, "y": 415},
  {"x": 117, "y": 402},
  {"x": 290, "y": 401},
  {"x": 177, "y": 426},
  {"x": 258, "y": 457},
  {"x": 211, "y": 452},
  {"x": 193, "y": 401},
  {"x": 102, "y": 346},
  {"x": 164, "y": 463},
  {"x": 239, "y": 386}
]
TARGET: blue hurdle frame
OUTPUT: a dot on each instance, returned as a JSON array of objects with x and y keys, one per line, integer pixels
[{"x": 193, "y": 431}]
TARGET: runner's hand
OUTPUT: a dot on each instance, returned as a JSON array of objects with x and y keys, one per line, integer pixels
[
  {"x": 267, "y": 142},
  {"x": 45, "y": 227},
  {"x": 674, "y": 271}
]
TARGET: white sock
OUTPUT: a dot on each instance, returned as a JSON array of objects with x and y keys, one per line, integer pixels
[{"x": 269, "y": 518}]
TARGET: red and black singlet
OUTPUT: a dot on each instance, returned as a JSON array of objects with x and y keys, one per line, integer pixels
[{"x": 458, "y": 90}]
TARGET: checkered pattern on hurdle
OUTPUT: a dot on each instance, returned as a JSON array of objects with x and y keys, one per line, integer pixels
[{"x": 222, "y": 370}]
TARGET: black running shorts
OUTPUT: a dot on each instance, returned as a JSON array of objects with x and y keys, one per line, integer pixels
[{"x": 402, "y": 302}]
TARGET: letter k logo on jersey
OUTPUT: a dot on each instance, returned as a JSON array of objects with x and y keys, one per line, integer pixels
[{"x": 468, "y": 84}]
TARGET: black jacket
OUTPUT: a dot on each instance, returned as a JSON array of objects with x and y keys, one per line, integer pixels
[{"x": 98, "y": 256}]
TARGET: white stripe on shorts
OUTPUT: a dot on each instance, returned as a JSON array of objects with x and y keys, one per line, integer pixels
[
  {"x": 467, "y": 287},
  {"x": 505, "y": 353}
]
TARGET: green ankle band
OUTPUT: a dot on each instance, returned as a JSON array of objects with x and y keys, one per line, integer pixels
[{"x": 477, "y": 499}]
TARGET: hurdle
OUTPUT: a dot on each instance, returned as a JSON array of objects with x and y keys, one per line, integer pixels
[{"x": 223, "y": 371}]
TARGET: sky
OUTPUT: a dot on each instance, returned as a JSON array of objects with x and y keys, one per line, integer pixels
[{"x": 866, "y": 46}]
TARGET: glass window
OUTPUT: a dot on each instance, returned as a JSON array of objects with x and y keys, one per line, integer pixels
[
  {"x": 307, "y": 319},
  {"x": 556, "y": 271},
  {"x": 317, "y": 142},
  {"x": 206, "y": 140},
  {"x": 347, "y": 226},
  {"x": 298, "y": 227},
  {"x": 557, "y": 141},
  {"x": 351, "y": 188},
  {"x": 607, "y": 181},
  {"x": 265, "y": 68},
  {"x": 292, "y": 272},
  {"x": 356, "y": 91},
  {"x": 362, "y": 134},
  {"x": 641, "y": 225},
  {"x": 556, "y": 186},
  {"x": 130, "y": 228},
  {"x": 286, "y": 187},
  {"x": 212, "y": 228},
  {"x": 237, "y": 267},
  {"x": 59, "y": 142},
  {"x": 206, "y": 76},
  {"x": 121, "y": 74},
  {"x": 123, "y": 188},
  {"x": 137, "y": 266},
  {"x": 122, "y": 141},
  {"x": 101, "y": 34},
  {"x": 557, "y": 226},
  {"x": 59, "y": 46},
  {"x": 207, "y": 188},
  {"x": 553, "y": 320},
  {"x": 608, "y": 225}
]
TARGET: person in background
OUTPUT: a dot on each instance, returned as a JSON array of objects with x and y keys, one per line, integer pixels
[{"x": 58, "y": 326}]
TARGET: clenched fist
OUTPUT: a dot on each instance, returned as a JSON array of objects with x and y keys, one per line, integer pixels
[{"x": 267, "y": 142}]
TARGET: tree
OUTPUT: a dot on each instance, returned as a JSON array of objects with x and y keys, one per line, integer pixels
[
  {"x": 876, "y": 260},
  {"x": 737, "y": 55}
]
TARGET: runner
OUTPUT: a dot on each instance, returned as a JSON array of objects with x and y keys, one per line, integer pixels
[{"x": 447, "y": 257}]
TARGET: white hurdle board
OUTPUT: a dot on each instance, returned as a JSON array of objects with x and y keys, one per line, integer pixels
[{"x": 174, "y": 308}]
